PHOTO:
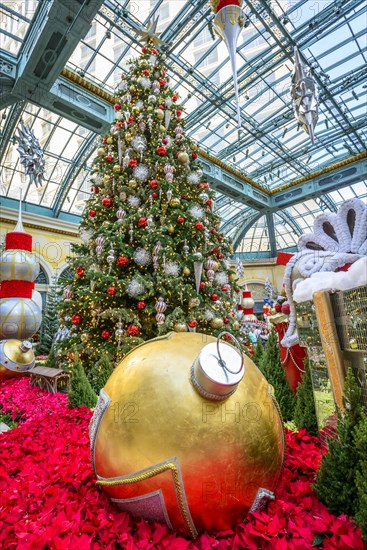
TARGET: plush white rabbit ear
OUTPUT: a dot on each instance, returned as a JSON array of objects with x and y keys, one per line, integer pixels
[
  {"x": 308, "y": 241},
  {"x": 353, "y": 221}
]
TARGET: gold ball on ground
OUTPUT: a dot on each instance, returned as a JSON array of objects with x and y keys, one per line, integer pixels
[
  {"x": 172, "y": 441},
  {"x": 101, "y": 151},
  {"x": 180, "y": 327},
  {"x": 133, "y": 184},
  {"x": 186, "y": 271},
  {"x": 175, "y": 202},
  {"x": 171, "y": 229},
  {"x": 183, "y": 157},
  {"x": 236, "y": 325},
  {"x": 159, "y": 113},
  {"x": 216, "y": 322}
]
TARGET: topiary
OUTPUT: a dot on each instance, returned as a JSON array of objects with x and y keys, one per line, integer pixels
[
  {"x": 336, "y": 479},
  {"x": 100, "y": 373},
  {"x": 81, "y": 392},
  {"x": 272, "y": 368},
  {"x": 305, "y": 410},
  {"x": 360, "y": 441},
  {"x": 258, "y": 353}
]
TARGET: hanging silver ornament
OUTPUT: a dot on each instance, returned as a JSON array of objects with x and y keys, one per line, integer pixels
[
  {"x": 305, "y": 96},
  {"x": 119, "y": 333},
  {"x": 152, "y": 98},
  {"x": 31, "y": 155},
  {"x": 119, "y": 149},
  {"x": 142, "y": 126},
  {"x": 169, "y": 195},
  {"x": 111, "y": 259},
  {"x": 131, "y": 233},
  {"x": 203, "y": 197},
  {"x": 150, "y": 222},
  {"x": 186, "y": 248},
  {"x": 120, "y": 214},
  {"x": 198, "y": 270},
  {"x": 167, "y": 118}
]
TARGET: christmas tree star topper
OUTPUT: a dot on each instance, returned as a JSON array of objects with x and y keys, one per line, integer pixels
[{"x": 149, "y": 34}]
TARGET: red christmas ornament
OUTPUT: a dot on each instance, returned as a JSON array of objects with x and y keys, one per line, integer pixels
[
  {"x": 164, "y": 141},
  {"x": 92, "y": 213},
  {"x": 117, "y": 107},
  {"x": 120, "y": 123},
  {"x": 216, "y": 251},
  {"x": 94, "y": 189},
  {"x": 214, "y": 297},
  {"x": 199, "y": 226},
  {"x": 153, "y": 50},
  {"x": 146, "y": 72},
  {"x": 278, "y": 308},
  {"x": 203, "y": 185},
  {"x": 109, "y": 158},
  {"x": 227, "y": 337},
  {"x": 76, "y": 319},
  {"x": 153, "y": 184},
  {"x": 80, "y": 271},
  {"x": 213, "y": 231},
  {"x": 161, "y": 151},
  {"x": 122, "y": 260},
  {"x": 161, "y": 107},
  {"x": 175, "y": 97},
  {"x": 178, "y": 112},
  {"x": 220, "y": 256},
  {"x": 184, "y": 197},
  {"x": 143, "y": 222},
  {"x": 226, "y": 320},
  {"x": 111, "y": 291},
  {"x": 104, "y": 140},
  {"x": 194, "y": 155},
  {"x": 144, "y": 50},
  {"x": 133, "y": 330},
  {"x": 131, "y": 119},
  {"x": 220, "y": 237},
  {"x": 209, "y": 202},
  {"x": 163, "y": 72},
  {"x": 133, "y": 163},
  {"x": 141, "y": 305},
  {"x": 202, "y": 285},
  {"x": 286, "y": 309},
  {"x": 162, "y": 82},
  {"x": 193, "y": 323},
  {"x": 155, "y": 195},
  {"x": 225, "y": 288},
  {"x": 105, "y": 334},
  {"x": 180, "y": 219},
  {"x": 107, "y": 202}
]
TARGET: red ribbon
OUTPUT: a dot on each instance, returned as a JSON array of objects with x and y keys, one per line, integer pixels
[{"x": 16, "y": 289}]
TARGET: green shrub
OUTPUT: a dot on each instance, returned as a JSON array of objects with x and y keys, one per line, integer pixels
[
  {"x": 305, "y": 411},
  {"x": 81, "y": 392},
  {"x": 100, "y": 373}
]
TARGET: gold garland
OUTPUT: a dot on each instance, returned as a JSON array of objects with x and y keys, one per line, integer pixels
[{"x": 172, "y": 466}]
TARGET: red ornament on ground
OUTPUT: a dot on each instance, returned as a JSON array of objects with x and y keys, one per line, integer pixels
[
  {"x": 76, "y": 319},
  {"x": 143, "y": 222},
  {"x": 199, "y": 226},
  {"x": 109, "y": 158},
  {"x": 80, "y": 271},
  {"x": 111, "y": 290},
  {"x": 133, "y": 330},
  {"x": 141, "y": 305},
  {"x": 180, "y": 219},
  {"x": 105, "y": 334},
  {"x": 214, "y": 297},
  {"x": 122, "y": 260},
  {"x": 161, "y": 151},
  {"x": 107, "y": 202},
  {"x": 133, "y": 163},
  {"x": 153, "y": 184},
  {"x": 117, "y": 107},
  {"x": 92, "y": 213}
]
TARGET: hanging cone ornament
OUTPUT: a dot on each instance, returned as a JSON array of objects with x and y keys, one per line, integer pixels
[
  {"x": 198, "y": 270},
  {"x": 119, "y": 149},
  {"x": 305, "y": 96},
  {"x": 167, "y": 118},
  {"x": 228, "y": 23}
]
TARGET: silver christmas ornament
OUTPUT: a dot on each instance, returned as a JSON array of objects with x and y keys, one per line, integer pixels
[
  {"x": 305, "y": 96},
  {"x": 31, "y": 155}
]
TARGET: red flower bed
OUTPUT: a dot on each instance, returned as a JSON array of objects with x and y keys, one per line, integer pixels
[{"x": 49, "y": 499}]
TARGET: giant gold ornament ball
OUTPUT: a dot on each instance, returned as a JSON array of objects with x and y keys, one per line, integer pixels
[
  {"x": 14, "y": 362},
  {"x": 19, "y": 318},
  {"x": 18, "y": 265},
  {"x": 194, "y": 463}
]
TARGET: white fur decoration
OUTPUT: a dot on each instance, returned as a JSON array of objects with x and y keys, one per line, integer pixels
[
  {"x": 142, "y": 257},
  {"x": 221, "y": 278},
  {"x": 197, "y": 212},
  {"x": 135, "y": 288},
  {"x": 134, "y": 201},
  {"x": 173, "y": 269}
]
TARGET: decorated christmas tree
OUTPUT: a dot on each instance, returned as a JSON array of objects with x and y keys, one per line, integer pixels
[{"x": 153, "y": 258}]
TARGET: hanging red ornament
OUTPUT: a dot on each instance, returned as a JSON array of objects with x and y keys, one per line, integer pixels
[
  {"x": 80, "y": 271},
  {"x": 155, "y": 195},
  {"x": 111, "y": 291},
  {"x": 178, "y": 112},
  {"x": 216, "y": 251},
  {"x": 104, "y": 140},
  {"x": 92, "y": 213},
  {"x": 143, "y": 222},
  {"x": 153, "y": 184},
  {"x": 161, "y": 151},
  {"x": 225, "y": 288},
  {"x": 133, "y": 163},
  {"x": 175, "y": 97},
  {"x": 146, "y": 72},
  {"x": 213, "y": 231},
  {"x": 226, "y": 320},
  {"x": 220, "y": 237},
  {"x": 202, "y": 285},
  {"x": 164, "y": 141},
  {"x": 286, "y": 308},
  {"x": 180, "y": 219},
  {"x": 214, "y": 297},
  {"x": 227, "y": 337},
  {"x": 220, "y": 256},
  {"x": 194, "y": 155},
  {"x": 122, "y": 260},
  {"x": 153, "y": 50},
  {"x": 107, "y": 202},
  {"x": 163, "y": 72},
  {"x": 203, "y": 185},
  {"x": 162, "y": 82},
  {"x": 141, "y": 305},
  {"x": 109, "y": 158},
  {"x": 161, "y": 107},
  {"x": 94, "y": 189},
  {"x": 76, "y": 319},
  {"x": 117, "y": 107},
  {"x": 209, "y": 202},
  {"x": 199, "y": 226},
  {"x": 144, "y": 49},
  {"x": 131, "y": 119},
  {"x": 184, "y": 197},
  {"x": 193, "y": 323},
  {"x": 133, "y": 330},
  {"x": 120, "y": 123},
  {"x": 105, "y": 334}
]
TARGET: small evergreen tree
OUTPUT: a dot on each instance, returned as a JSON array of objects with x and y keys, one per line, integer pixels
[
  {"x": 100, "y": 373},
  {"x": 360, "y": 440},
  {"x": 81, "y": 392},
  {"x": 272, "y": 368},
  {"x": 305, "y": 410},
  {"x": 50, "y": 322},
  {"x": 336, "y": 479},
  {"x": 258, "y": 353},
  {"x": 51, "y": 359}
]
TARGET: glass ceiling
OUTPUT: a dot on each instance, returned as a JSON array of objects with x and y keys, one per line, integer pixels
[{"x": 271, "y": 150}]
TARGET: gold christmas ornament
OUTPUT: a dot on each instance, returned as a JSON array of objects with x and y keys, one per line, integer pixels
[
  {"x": 109, "y": 140},
  {"x": 20, "y": 318},
  {"x": 162, "y": 129},
  {"x": 101, "y": 151},
  {"x": 171, "y": 229},
  {"x": 132, "y": 88},
  {"x": 16, "y": 358},
  {"x": 180, "y": 327},
  {"x": 159, "y": 113},
  {"x": 195, "y": 463},
  {"x": 116, "y": 168},
  {"x": 216, "y": 322},
  {"x": 233, "y": 277},
  {"x": 133, "y": 184},
  {"x": 215, "y": 266},
  {"x": 186, "y": 271},
  {"x": 236, "y": 325},
  {"x": 128, "y": 137},
  {"x": 106, "y": 179},
  {"x": 194, "y": 302},
  {"x": 175, "y": 202},
  {"x": 183, "y": 157}
]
